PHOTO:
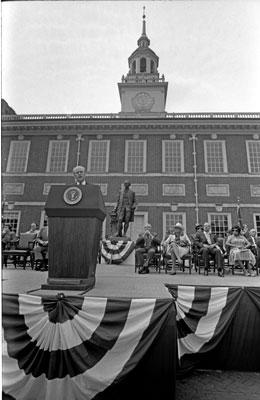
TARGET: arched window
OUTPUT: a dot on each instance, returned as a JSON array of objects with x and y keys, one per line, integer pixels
[
  {"x": 143, "y": 64},
  {"x": 134, "y": 67},
  {"x": 152, "y": 67}
]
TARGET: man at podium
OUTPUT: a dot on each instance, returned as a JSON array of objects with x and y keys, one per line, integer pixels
[{"x": 79, "y": 173}]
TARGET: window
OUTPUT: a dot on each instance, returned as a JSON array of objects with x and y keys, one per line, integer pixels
[
  {"x": 171, "y": 218},
  {"x": 58, "y": 156},
  {"x": 143, "y": 64},
  {"x": 152, "y": 67},
  {"x": 135, "y": 159},
  {"x": 12, "y": 218},
  {"x": 220, "y": 223},
  {"x": 215, "y": 156},
  {"x": 253, "y": 156},
  {"x": 18, "y": 156},
  {"x": 98, "y": 156},
  {"x": 257, "y": 223},
  {"x": 134, "y": 67},
  {"x": 172, "y": 157}
]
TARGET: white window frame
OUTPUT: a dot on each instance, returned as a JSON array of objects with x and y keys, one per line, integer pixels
[
  {"x": 164, "y": 142},
  {"x": 49, "y": 155},
  {"x": 220, "y": 213},
  {"x": 89, "y": 155},
  {"x": 225, "y": 168},
  {"x": 254, "y": 217},
  {"x": 174, "y": 213},
  {"x": 248, "y": 155},
  {"x": 144, "y": 156},
  {"x": 11, "y": 152},
  {"x": 18, "y": 218}
]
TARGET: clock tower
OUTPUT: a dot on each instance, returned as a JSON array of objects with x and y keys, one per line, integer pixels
[{"x": 142, "y": 91}]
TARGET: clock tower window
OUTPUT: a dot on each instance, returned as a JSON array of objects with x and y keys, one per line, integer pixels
[
  {"x": 143, "y": 64},
  {"x": 134, "y": 67}
]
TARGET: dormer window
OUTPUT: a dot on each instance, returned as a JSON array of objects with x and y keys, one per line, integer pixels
[{"x": 143, "y": 64}]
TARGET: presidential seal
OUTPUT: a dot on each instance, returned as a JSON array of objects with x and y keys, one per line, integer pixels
[{"x": 72, "y": 195}]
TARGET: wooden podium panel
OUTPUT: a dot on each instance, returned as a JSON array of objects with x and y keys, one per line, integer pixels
[{"x": 74, "y": 237}]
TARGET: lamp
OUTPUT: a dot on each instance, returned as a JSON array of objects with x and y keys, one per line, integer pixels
[
  {"x": 174, "y": 206},
  {"x": 219, "y": 207}
]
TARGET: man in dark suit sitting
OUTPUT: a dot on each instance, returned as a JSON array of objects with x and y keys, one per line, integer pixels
[
  {"x": 148, "y": 243},
  {"x": 207, "y": 245}
]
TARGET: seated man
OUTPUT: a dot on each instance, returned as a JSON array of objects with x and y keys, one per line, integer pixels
[
  {"x": 207, "y": 244},
  {"x": 146, "y": 243}
]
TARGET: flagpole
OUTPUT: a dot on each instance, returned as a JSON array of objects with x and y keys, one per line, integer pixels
[{"x": 239, "y": 216}]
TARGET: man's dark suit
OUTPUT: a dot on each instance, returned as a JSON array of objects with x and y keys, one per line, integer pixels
[{"x": 200, "y": 241}]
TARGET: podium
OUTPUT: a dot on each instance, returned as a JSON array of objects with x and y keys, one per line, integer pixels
[{"x": 75, "y": 216}]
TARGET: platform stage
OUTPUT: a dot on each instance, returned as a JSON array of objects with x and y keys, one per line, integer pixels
[{"x": 127, "y": 337}]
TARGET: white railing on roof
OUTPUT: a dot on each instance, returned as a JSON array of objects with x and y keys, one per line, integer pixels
[{"x": 24, "y": 117}]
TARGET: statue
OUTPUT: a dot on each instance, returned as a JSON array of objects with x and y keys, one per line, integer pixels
[{"x": 125, "y": 208}]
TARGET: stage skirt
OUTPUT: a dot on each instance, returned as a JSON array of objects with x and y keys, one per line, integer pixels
[{"x": 241, "y": 255}]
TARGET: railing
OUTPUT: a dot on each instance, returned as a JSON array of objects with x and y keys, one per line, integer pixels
[{"x": 25, "y": 117}]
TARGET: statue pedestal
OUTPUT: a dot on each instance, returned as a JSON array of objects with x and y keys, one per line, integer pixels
[{"x": 119, "y": 238}]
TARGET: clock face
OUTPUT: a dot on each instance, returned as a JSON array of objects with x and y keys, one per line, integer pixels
[
  {"x": 142, "y": 102},
  {"x": 72, "y": 195}
]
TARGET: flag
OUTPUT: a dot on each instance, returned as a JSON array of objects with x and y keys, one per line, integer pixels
[
  {"x": 117, "y": 251},
  {"x": 73, "y": 348}
]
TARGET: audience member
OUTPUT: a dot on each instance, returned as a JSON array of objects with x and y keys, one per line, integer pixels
[
  {"x": 41, "y": 249},
  {"x": 33, "y": 228},
  {"x": 8, "y": 236},
  {"x": 177, "y": 246},
  {"x": 240, "y": 252},
  {"x": 146, "y": 242},
  {"x": 206, "y": 244}
]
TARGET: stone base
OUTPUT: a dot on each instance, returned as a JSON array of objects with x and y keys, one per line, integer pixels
[
  {"x": 69, "y": 284},
  {"x": 118, "y": 238}
]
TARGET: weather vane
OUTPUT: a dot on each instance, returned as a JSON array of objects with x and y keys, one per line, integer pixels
[{"x": 143, "y": 12}]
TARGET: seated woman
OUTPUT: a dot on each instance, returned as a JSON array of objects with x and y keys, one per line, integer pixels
[
  {"x": 239, "y": 251},
  {"x": 177, "y": 246}
]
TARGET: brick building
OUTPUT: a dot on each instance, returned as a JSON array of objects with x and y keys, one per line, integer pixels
[{"x": 183, "y": 167}]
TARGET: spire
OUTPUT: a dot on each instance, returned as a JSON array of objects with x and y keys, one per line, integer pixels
[
  {"x": 144, "y": 23},
  {"x": 143, "y": 41}
]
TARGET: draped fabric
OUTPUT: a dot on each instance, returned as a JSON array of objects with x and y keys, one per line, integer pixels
[
  {"x": 218, "y": 327},
  {"x": 116, "y": 251},
  {"x": 83, "y": 348}
]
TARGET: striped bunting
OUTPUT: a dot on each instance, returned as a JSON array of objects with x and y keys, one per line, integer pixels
[
  {"x": 74, "y": 348},
  {"x": 203, "y": 316},
  {"x": 116, "y": 251}
]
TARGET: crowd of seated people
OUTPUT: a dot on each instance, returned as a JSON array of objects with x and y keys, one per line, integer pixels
[
  {"x": 39, "y": 239},
  {"x": 240, "y": 246}
]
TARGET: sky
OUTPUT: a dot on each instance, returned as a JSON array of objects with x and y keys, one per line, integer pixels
[{"x": 67, "y": 57}]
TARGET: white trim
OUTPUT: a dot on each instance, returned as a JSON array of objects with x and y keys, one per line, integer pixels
[
  {"x": 224, "y": 153},
  {"x": 218, "y": 185},
  {"x": 219, "y": 214},
  {"x": 252, "y": 190},
  {"x": 50, "y": 152},
  {"x": 174, "y": 213},
  {"x": 11, "y": 153},
  {"x": 148, "y": 174},
  {"x": 182, "y": 185},
  {"x": 144, "y": 156},
  {"x": 19, "y": 212},
  {"x": 10, "y": 184},
  {"x": 90, "y": 152},
  {"x": 182, "y": 154},
  {"x": 248, "y": 155}
]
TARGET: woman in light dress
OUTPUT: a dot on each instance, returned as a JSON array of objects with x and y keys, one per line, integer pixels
[
  {"x": 177, "y": 245},
  {"x": 240, "y": 252}
]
